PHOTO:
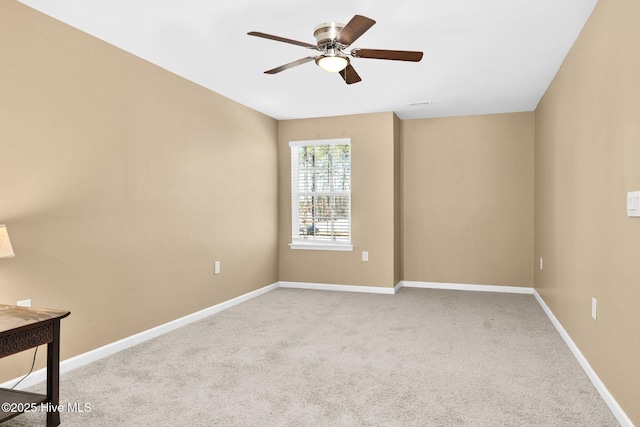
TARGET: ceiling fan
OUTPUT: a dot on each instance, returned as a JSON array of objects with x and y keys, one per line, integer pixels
[{"x": 332, "y": 39}]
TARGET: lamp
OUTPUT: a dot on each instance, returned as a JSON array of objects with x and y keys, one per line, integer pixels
[
  {"x": 332, "y": 62},
  {"x": 6, "y": 251}
]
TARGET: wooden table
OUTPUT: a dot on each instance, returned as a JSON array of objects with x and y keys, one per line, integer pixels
[{"x": 22, "y": 328}]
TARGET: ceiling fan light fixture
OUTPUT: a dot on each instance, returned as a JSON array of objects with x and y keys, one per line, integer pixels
[
  {"x": 333, "y": 64},
  {"x": 332, "y": 38}
]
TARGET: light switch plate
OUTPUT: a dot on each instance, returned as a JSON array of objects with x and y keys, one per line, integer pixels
[{"x": 633, "y": 204}]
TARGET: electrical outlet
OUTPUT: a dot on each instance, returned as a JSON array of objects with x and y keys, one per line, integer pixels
[
  {"x": 216, "y": 268},
  {"x": 541, "y": 263},
  {"x": 24, "y": 303},
  {"x": 594, "y": 308},
  {"x": 365, "y": 256}
]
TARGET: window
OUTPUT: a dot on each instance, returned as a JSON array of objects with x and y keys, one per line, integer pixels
[{"x": 321, "y": 194}]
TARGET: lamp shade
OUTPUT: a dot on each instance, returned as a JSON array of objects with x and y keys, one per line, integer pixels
[
  {"x": 6, "y": 251},
  {"x": 333, "y": 64}
]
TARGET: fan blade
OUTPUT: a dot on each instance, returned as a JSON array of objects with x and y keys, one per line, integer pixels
[
  {"x": 354, "y": 29},
  {"x": 282, "y": 39},
  {"x": 396, "y": 55},
  {"x": 349, "y": 75},
  {"x": 290, "y": 65}
]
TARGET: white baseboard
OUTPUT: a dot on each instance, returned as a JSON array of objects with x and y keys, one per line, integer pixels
[
  {"x": 466, "y": 287},
  {"x": 339, "y": 288},
  {"x": 615, "y": 408},
  {"x": 104, "y": 351},
  {"x": 397, "y": 287}
]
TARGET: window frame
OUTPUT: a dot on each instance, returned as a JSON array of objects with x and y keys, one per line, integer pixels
[{"x": 296, "y": 241}]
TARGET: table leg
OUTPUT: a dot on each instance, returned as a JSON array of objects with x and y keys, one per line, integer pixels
[{"x": 53, "y": 375}]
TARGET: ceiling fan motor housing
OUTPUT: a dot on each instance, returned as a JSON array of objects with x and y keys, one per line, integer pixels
[{"x": 326, "y": 33}]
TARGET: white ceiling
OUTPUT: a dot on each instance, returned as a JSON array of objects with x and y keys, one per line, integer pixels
[{"x": 480, "y": 56}]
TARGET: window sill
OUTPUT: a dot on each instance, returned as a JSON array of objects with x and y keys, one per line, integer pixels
[{"x": 315, "y": 246}]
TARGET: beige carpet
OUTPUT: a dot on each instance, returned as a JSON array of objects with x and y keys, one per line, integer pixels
[{"x": 313, "y": 358}]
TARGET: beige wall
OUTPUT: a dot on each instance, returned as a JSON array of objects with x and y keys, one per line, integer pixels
[
  {"x": 397, "y": 199},
  {"x": 587, "y": 159},
  {"x": 468, "y": 199},
  {"x": 120, "y": 186},
  {"x": 372, "y": 204},
  {"x": 408, "y": 187}
]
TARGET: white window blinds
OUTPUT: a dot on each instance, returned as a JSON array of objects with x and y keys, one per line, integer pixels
[{"x": 321, "y": 194}]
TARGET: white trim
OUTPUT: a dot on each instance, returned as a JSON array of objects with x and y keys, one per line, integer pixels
[
  {"x": 468, "y": 287},
  {"x": 318, "y": 246},
  {"x": 397, "y": 287},
  {"x": 114, "y": 347},
  {"x": 340, "y": 288},
  {"x": 608, "y": 398},
  {"x": 308, "y": 142}
]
